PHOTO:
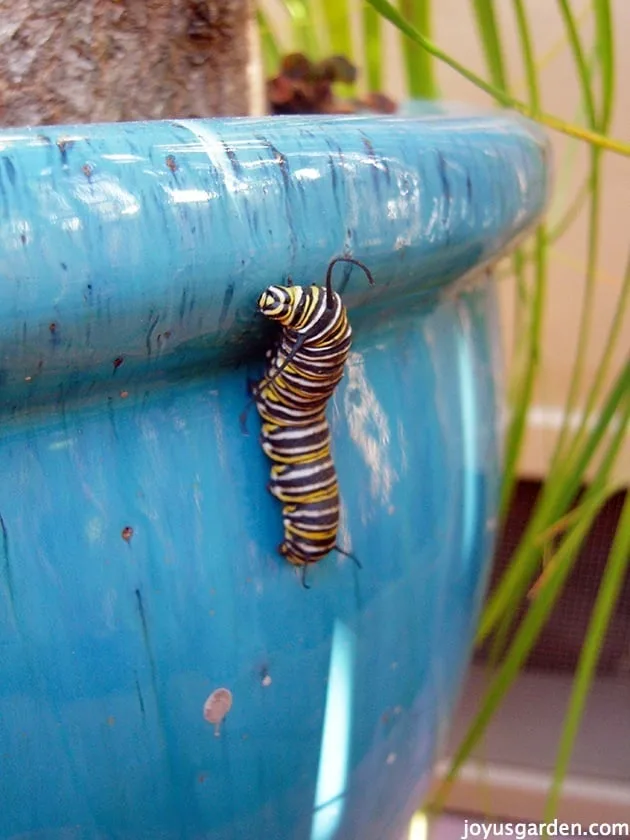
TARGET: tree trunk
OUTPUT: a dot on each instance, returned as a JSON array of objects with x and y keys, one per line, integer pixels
[{"x": 65, "y": 61}]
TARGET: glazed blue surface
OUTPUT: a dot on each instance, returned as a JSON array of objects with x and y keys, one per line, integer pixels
[{"x": 131, "y": 258}]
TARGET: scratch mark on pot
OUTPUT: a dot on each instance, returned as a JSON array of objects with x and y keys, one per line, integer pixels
[
  {"x": 149, "y": 650},
  {"x": 327, "y": 804},
  {"x": 55, "y": 338},
  {"x": 152, "y": 326},
  {"x": 112, "y": 419},
  {"x": 182, "y": 305},
  {"x": 10, "y": 168},
  {"x": 8, "y": 571},
  {"x": 378, "y": 165},
  {"x": 61, "y": 400},
  {"x": 446, "y": 189},
  {"x": 143, "y": 619},
  {"x": 280, "y": 159},
  {"x": 5, "y": 204},
  {"x": 118, "y": 362},
  {"x": 140, "y": 698},
  {"x": 216, "y": 708},
  {"x": 347, "y": 244},
  {"x": 231, "y": 156},
  {"x": 64, "y": 146},
  {"x": 335, "y": 182},
  {"x": 285, "y": 171},
  {"x": 227, "y": 300}
]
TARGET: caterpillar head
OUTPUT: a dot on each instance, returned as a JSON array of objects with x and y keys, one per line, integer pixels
[
  {"x": 293, "y": 306},
  {"x": 284, "y": 304}
]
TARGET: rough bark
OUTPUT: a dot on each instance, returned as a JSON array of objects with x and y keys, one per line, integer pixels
[{"x": 64, "y": 61}]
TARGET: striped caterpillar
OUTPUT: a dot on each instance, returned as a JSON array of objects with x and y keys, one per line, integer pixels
[{"x": 303, "y": 371}]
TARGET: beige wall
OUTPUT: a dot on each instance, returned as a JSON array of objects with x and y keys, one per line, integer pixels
[{"x": 454, "y": 30}]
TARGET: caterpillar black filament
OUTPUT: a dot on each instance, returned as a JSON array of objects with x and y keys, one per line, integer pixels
[{"x": 304, "y": 369}]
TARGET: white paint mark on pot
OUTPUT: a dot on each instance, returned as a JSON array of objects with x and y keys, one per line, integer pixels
[{"x": 369, "y": 428}]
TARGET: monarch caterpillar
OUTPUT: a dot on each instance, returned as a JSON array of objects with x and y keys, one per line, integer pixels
[{"x": 303, "y": 371}]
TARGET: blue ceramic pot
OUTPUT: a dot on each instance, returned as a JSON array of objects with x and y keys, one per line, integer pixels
[{"x": 138, "y": 564}]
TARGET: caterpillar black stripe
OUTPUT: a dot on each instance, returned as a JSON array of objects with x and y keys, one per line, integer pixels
[{"x": 304, "y": 369}]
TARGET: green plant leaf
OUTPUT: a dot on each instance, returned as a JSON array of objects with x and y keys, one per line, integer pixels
[
  {"x": 518, "y": 651},
  {"x": 488, "y": 28},
  {"x": 516, "y": 428},
  {"x": 603, "y": 369},
  {"x": 529, "y": 61},
  {"x": 534, "y": 620},
  {"x": 581, "y": 64},
  {"x": 303, "y": 27},
  {"x": 372, "y": 37},
  {"x": 419, "y": 63},
  {"x": 556, "y": 496},
  {"x": 393, "y": 15},
  {"x": 269, "y": 47},
  {"x": 583, "y": 345},
  {"x": 607, "y": 597},
  {"x": 585, "y": 325},
  {"x": 337, "y": 16},
  {"x": 605, "y": 45}
]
